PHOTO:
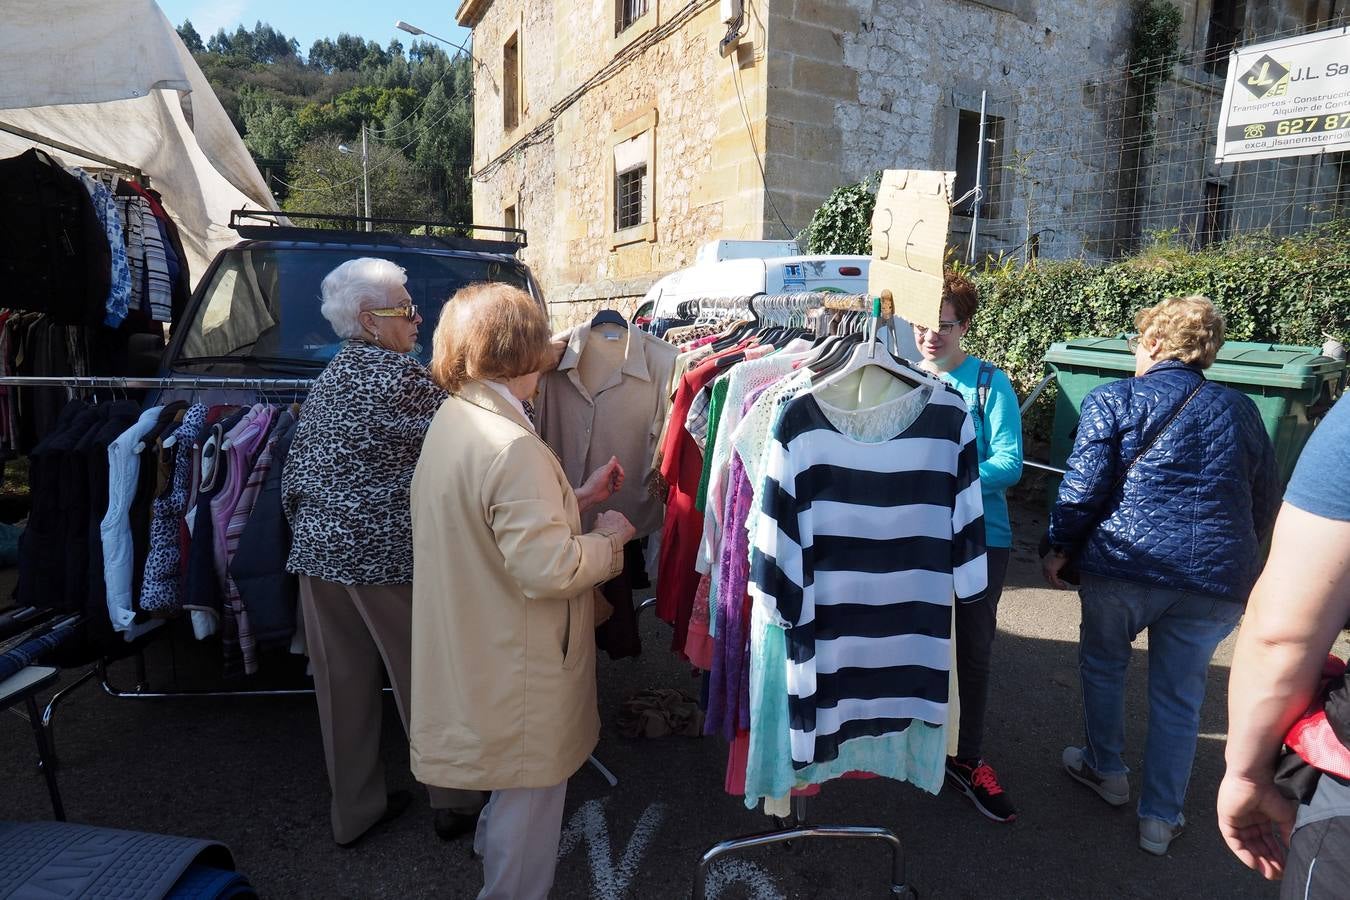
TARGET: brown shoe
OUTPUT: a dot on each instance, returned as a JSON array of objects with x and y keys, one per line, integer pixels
[{"x": 450, "y": 824}]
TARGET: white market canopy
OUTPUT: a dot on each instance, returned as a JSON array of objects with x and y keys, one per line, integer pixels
[{"x": 114, "y": 80}]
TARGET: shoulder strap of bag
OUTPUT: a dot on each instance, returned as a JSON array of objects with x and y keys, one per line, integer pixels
[
  {"x": 1142, "y": 453},
  {"x": 983, "y": 382}
]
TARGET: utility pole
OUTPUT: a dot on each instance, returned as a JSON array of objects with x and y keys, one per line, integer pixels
[{"x": 365, "y": 175}]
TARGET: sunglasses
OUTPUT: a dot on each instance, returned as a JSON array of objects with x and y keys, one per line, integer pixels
[
  {"x": 943, "y": 328},
  {"x": 408, "y": 312},
  {"x": 1132, "y": 343}
]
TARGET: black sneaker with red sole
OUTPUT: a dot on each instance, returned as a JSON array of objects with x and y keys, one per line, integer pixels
[{"x": 978, "y": 781}]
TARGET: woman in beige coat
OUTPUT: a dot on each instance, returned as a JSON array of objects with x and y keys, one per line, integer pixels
[{"x": 503, "y": 658}]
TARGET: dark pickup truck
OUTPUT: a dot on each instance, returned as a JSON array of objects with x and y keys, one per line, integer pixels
[{"x": 255, "y": 313}]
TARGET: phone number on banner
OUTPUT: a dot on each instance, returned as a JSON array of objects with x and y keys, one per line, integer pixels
[{"x": 1255, "y": 131}]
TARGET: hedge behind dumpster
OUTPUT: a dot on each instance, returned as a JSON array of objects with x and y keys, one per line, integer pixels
[{"x": 1293, "y": 290}]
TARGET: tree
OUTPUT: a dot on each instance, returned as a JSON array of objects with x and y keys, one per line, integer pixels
[
  {"x": 270, "y": 129},
  {"x": 220, "y": 44},
  {"x": 191, "y": 39},
  {"x": 325, "y": 180}
]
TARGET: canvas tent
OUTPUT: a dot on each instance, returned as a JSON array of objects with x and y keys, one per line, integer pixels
[{"x": 114, "y": 80}]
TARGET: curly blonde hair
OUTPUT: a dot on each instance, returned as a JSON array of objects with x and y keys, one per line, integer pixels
[
  {"x": 488, "y": 331},
  {"x": 1189, "y": 329}
]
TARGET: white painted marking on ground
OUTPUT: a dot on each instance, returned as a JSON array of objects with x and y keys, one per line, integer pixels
[
  {"x": 759, "y": 884},
  {"x": 609, "y": 882}
]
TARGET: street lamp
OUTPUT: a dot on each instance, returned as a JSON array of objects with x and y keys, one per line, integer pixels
[
  {"x": 414, "y": 30},
  {"x": 365, "y": 171}
]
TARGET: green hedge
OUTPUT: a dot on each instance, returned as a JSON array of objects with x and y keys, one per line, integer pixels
[{"x": 1289, "y": 290}]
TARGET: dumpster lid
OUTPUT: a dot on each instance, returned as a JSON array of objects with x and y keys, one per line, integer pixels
[{"x": 1239, "y": 362}]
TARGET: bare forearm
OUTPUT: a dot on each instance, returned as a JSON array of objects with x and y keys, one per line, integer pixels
[
  {"x": 1270, "y": 686},
  {"x": 1296, "y": 609}
]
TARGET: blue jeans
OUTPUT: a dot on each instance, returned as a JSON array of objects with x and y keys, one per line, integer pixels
[{"x": 1184, "y": 628}]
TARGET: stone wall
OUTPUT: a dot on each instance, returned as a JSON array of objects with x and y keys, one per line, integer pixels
[
  {"x": 705, "y": 181},
  {"x": 862, "y": 85}
]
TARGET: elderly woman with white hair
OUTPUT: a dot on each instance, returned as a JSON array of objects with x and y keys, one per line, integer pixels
[{"x": 345, "y": 493}]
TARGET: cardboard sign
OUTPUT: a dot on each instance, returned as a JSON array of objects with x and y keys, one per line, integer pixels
[
  {"x": 1287, "y": 98},
  {"x": 909, "y": 242}
]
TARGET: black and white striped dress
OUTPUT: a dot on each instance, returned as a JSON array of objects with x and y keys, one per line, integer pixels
[{"x": 858, "y": 552}]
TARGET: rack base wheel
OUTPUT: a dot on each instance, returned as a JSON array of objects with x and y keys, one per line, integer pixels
[{"x": 904, "y": 892}]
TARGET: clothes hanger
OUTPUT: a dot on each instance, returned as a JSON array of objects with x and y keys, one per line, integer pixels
[{"x": 609, "y": 317}]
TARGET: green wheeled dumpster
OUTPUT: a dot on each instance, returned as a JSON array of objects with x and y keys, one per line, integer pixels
[{"x": 1291, "y": 386}]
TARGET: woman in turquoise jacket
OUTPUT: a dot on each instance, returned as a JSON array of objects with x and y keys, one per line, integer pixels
[{"x": 998, "y": 432}]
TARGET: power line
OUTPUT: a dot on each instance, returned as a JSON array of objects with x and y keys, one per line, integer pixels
[{"x": 750, "y": 134}]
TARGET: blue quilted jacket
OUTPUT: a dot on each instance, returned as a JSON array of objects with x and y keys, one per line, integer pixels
[{"x": 1192, "y": 512}]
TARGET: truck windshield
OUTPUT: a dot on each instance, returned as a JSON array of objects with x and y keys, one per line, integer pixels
[{"x": 263, "y": 304}]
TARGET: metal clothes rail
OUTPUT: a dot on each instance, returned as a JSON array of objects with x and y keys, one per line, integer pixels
[
  {"x": 898, "y": 887},
  {"x": 166, "y": 382}
]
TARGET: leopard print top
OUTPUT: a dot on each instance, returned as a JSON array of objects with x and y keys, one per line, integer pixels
[{"x": 345, "y": 485}]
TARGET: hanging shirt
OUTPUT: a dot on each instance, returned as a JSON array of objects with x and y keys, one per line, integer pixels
[
  {"x": 161, "y": 588},
  {"x": 123, "y": 470},
  {"x": 158, "y": 283},
  {"x": 620, "y": 414},
  {"x": 105, "y": 207},
  {"x": 133, "y": 226},
  {"x": 857, "y": 553}
]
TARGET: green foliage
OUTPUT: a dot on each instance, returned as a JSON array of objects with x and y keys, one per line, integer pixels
[
  {"x": 328, "y": 181},
  {"x": 191, "y": 39},
  {"x": 264, "y": 44},
  {"x": 416, "y": 104},
  {"x": 843, "y": 223},
  {"x": 1154, "y": 49},
  {"x": 1281, "y": 290}
]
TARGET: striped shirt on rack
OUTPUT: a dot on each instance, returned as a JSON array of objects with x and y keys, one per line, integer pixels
[{"x": 858, "y": 552}]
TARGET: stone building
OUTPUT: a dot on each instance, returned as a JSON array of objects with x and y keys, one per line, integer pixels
[{"x": 622, "y": 134}]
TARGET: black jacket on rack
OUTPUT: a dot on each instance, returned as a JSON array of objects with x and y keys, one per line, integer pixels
[
  {"x": 54, "y": 254},
  {"x": 269, "y": 592}
]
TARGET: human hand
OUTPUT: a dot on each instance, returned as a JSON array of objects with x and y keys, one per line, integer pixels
[
  {"x": 606, "y": 480},
  {"x": 611, "y": 521},
  {"x": 1256, "y": 822},
  {"x": 557, "y": 347},
  {"x": 1051, "y": 564}
]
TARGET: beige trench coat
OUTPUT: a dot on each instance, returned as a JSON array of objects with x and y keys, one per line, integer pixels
[{"x": 503, "y": 653}]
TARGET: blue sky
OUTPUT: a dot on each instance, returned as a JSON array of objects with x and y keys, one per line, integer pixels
[{"x": 309, "y": 20}]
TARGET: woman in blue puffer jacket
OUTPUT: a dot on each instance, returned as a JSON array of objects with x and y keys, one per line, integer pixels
[{"x": 1171, "y": 488}]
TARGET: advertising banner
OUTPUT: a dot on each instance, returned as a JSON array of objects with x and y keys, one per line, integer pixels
[{"x": 1287, "y": 98}]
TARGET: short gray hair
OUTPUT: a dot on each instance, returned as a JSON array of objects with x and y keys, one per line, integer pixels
[{"x": 355, "y": 285}]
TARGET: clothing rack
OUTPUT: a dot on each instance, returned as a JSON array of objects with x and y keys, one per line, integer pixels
[
  {"x": 99, "y": 670},
  {"x": 168, "y": 382},
  {"x": 75, "y": 151},
  {"x": 802, "y": 830},
  {"x": 784, "y": 309}
]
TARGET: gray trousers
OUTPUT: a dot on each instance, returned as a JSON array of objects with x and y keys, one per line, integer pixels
[
  {"x": 517, "y": 838},
  {"x": 356, "y": 633}
]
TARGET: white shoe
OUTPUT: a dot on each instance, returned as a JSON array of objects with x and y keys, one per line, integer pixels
[
  {"x": 1156, "y": 836},
  {"x": 1114, "y": 789}
]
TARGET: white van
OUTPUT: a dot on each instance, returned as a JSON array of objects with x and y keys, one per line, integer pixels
[
  {"x": 744, "y": 268},
  {"x": 725, "y": 269}
]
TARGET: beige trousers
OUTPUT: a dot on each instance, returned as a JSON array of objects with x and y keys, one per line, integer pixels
[
  {"x": 517, "y": 837},
  {"x": 356, "y": 633}
]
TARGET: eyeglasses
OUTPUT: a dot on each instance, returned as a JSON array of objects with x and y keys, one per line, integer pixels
[
  {"x": 1132, "y": 343},
  {"x": 943, "y": 328},
  {"x": 408, "y": 312}
]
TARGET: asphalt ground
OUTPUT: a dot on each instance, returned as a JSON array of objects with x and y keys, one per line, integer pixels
[{"x": 250, "y": 772}]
